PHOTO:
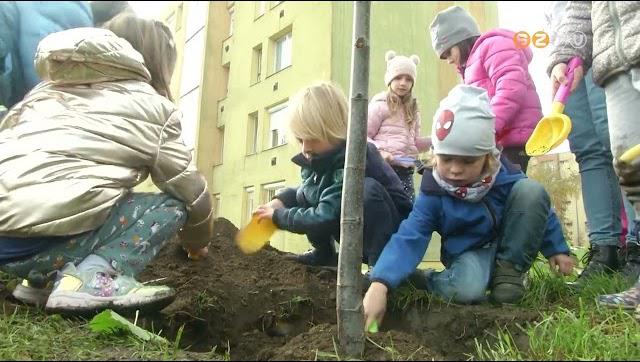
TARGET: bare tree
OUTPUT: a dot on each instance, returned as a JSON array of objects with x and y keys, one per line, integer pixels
[{"x": 349, "y": 288}]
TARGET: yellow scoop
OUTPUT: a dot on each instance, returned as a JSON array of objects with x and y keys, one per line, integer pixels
[
  {"x": 255, "y": 235},
  {"x": 553, "y": 129},
  {"x": 631, "y": 154}
]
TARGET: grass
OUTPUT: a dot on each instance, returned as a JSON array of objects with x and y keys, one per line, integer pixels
[
  {"x": 30, "y": 334},
  {"x": 572, "y": 326}
]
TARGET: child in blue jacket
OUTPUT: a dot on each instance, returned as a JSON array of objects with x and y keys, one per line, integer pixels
[{"x": 493, "y": 220}]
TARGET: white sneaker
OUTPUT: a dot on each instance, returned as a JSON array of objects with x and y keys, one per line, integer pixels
[
  {"x": 30, "y": 295},
  {"x": 95, "y": 290}
]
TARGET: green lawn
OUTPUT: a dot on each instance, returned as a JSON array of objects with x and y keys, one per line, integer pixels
[{"x": 571, "y": 327}]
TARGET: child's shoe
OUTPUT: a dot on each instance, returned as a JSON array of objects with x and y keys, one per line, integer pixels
[
  {"x": 318, "y": 257},
  {"x": 629, "y": 299},
  {"x": 507, "y": 286},
  {"x": 631, "y": 269},
  {"x": 93, "y": 290},
  {"x": 31, "y": 295}
]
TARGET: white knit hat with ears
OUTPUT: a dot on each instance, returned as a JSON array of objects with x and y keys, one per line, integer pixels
[{"x": 399, "y": 64}]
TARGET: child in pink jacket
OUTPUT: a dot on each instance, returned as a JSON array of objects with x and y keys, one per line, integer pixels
[
  {"x": 394, "y": 121},
  {"x": 493, "y": 62}
]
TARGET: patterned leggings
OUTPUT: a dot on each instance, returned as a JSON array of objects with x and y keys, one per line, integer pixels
[
  {"x": 406, "y": 176},
  {"x": 137, "y": 228}
]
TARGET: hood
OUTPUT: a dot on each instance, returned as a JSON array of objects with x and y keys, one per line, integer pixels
[
  {"x": 88, "y": 55},
  {"x": 507, "y": 35}
]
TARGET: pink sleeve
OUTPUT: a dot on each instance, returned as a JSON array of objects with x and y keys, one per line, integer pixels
[
  {"x": 422, "y": 143},
  {"x": 374, "y": 120},
  {"x": 503, "y": 64}
]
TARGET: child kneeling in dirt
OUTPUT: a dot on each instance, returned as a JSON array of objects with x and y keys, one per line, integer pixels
[
  {"x": 318, "y": 121},
  {"x": 491, "y": 217},
  {"x": 72, "y": 151}
]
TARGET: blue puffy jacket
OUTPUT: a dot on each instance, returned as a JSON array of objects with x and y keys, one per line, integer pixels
[
  {"x": 23, "y": 25},
  {"x": 463, "y": 226}
]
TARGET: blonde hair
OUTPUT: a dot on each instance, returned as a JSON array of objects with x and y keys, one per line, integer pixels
[
  {"x": 319, "y": 112},
  {"x": 408, "y": 104},
  {"x": 152, "y": 39}
]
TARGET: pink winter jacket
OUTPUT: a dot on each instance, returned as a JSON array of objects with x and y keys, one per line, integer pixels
[
  {"x": 496, "y": 65},
  {"x": 390, "y": 133}
]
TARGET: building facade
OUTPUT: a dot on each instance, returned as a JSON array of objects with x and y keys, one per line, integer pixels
[{"x": 240, "y": 62}]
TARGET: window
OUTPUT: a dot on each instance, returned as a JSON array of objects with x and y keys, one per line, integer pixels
[
  {"x": 216, "y": 205},
  {"x": 277, "y": 125},
  {"x": 256, "y": 64},
  {"x": 193, "y": 63},
  {"x": 197, "y": 12},
  {"x": 225, "y": 78},
  {"x": 221, "y": 145},
  {"x": 271, "y": 190},
  {"x": 283, "y": 53},
  {"x": 261, "y": 8},
  {"x": 189, "y": 122},
  {"x": 248, "y": 203},
  {"x": 232, "y": 19},
  {"x": 252, "y": 134},
  {"x": 171, "y": 22}
]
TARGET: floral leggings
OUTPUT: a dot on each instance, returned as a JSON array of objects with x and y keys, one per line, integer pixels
[
  {"x": 406, "y": 176},
  {"x": 137, "y": 228}
]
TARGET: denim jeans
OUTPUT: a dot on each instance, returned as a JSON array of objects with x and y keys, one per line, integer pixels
[
  {"x": 521, "y": 233},
  {"x": 589, "y": 141}
]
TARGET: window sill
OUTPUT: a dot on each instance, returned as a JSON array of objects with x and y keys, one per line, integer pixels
[
  {"x": 278, "y": 146},
  {"x": 280, "y": 71},
  {"x": 254, "y": 83},
  {"x": 259, "y": 16}
]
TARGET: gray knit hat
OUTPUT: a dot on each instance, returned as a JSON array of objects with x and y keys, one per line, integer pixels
[
  {"x": 464, "y": 124},
  {"x": 450, "y": 27}
]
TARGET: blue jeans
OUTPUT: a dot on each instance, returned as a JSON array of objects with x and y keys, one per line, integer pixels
[
  {"x": 589, "y": 141},
  {"x": 522, "y": 230}
]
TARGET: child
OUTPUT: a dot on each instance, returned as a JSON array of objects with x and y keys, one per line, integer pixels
[
  {"x": 492, "y": 219},
  {"x": 394, "y": 121},
  {"x": 72, "y": 151},
  {"x": 318, "y": 121},
  {"x": 609, "y": 38},
  {"x": 492, "y": 61}
]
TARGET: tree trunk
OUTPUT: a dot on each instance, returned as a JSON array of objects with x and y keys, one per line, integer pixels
[{"x": 349, "y": 288}]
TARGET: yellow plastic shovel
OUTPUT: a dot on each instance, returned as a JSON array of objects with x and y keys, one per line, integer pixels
[
  {"x": 255, "y": 235},
  {"x": 631, "y": 154},
  {"x": 554, "y": 128}
]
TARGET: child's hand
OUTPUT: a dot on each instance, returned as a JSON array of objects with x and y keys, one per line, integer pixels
[
  {"x": 386, "y": 156},
  {"x": 264, "y": 212},
  {"x": 374, "y": 304},
  {"x": 275, "y": 204},
  {"x": 559, "y": 76},
  {"x": 197, "y": 254},
  {"x": 562, "y": 263}
]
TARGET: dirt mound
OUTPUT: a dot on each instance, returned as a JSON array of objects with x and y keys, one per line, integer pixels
[
  {"x": 318, "y": 344},
  {"x": 245, "y": 302},
  {"x": 264, "y": 306}
]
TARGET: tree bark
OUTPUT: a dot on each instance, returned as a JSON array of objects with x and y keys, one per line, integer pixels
[{"x": 349, "y": 287}]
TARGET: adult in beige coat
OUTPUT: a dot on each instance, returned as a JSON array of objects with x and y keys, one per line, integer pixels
[{"x": 70, "y": 154}]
